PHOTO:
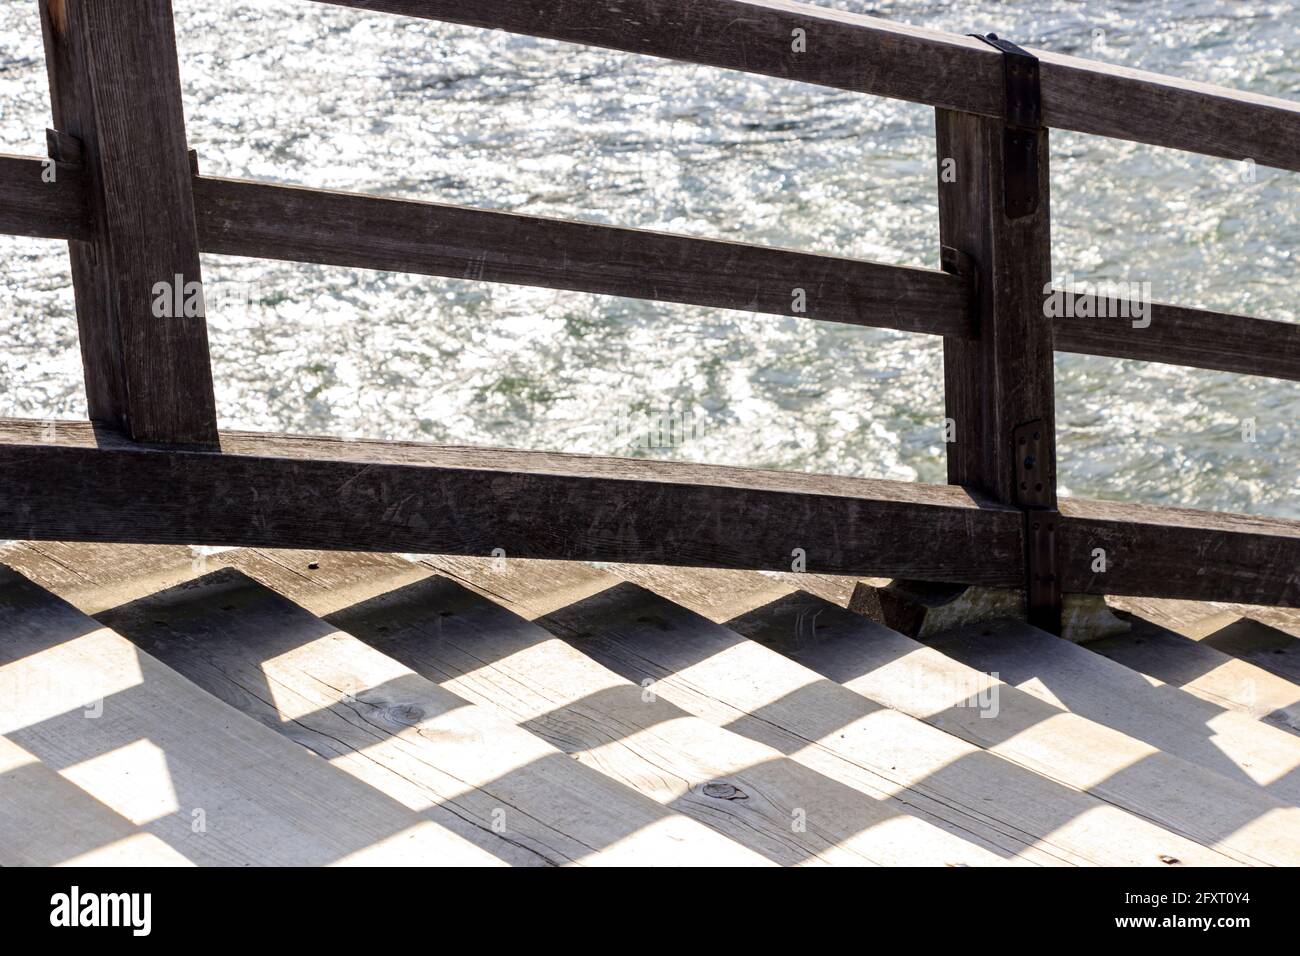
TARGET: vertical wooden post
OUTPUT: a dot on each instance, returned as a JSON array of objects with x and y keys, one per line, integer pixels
[
  {"x": 998, "y": 387},
  {"x": 115, "y": 87}
]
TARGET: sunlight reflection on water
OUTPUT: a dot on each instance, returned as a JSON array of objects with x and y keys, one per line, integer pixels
[{"x": 314, "y": 94}]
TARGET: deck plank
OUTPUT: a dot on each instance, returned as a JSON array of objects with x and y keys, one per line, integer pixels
[
  {"x": 1073, "y": 678},
  {"x": 523, "y": 586},
  {"x": 712, "y": 671},
  {"x": 491, "y": 656},
  {"x": 1235, "y": 818},
  {"x": 403, "y": 735},
  {"x": 161, "y": 749},
  {"x": 1268, "y": 637},
  {"x": 1205, "y": 672}
]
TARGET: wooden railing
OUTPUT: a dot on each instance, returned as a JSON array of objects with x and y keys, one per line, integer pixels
[{"x": 151, "y": 465}]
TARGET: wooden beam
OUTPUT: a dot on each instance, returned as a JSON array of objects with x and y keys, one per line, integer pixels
[
  {"x": 79, "y": 482},
  {"x": 44, "y": 199},
  {"x": 237, "y": 217},
  {"x": 1004, "y": 379},
  {"x": 243, "y": 218},
  {"x": 998, "y": 390},
  {"x": 1151, "y": 551},
  {"x": 870, "y": 55},
  {"x": 1180, "y": 336},
  {"x": 115, "y": 86},
  {"x": 157, "y": 735}
]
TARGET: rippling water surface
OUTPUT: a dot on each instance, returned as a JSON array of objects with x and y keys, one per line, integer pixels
[{"x": 309, "y": 93}]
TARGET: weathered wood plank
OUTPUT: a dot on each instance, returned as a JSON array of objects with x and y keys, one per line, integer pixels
[
  {"x": 238, "y": 217},
  {"x": 1229, "y": 816},
  {"x": 728, "y": 681},
  {"x": 1265, "y": 645},
  {"x": 296, "y": 492},
  {"x": 1198, "y": 620},
  {"x": 44, "y": 200},
  {"x": 1107, "y": 693},
  {"x": 1004, "y": 378},
  {"x": 158, "y": 749},
  {"x": 405, "y": 736},
  {"x": 999, "y": 393},
  {"x": 94, "y": 577},
  {"x": 1181, "y": 336},
  {"x": 47, "y": 820},
  {"x": 278, "y": 491},
  {"x": 115, "y": 85},
  {"x": 747, "y": 790},
  {"x": 1180, "y": 553},
  {"x": 1204, "y": 671},
  {"x": 866, "y": 54},
  {"x": 242, "y": 218}
]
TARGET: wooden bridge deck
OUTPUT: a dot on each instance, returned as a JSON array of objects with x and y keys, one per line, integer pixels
[{"x": 159, "y": 705}]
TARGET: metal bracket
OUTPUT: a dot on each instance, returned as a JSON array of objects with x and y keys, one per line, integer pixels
[
  {"x": 1023, "y": 116},
  {"x": 1043, "y": 582},
  {"x": 1035, "y": 484},
  {"x": 1035, "y": 475}
]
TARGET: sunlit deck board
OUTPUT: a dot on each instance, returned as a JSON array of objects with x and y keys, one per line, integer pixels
[
  {"x": 1076, "y": 679},
  {"x": 1197, "y": 668},
  {"x": 814, "y": 719},
  {"x": 739, "y": 683},
  {"x": 709, "y": 721},
  {"x": 95, "y": 577},
  {"x": 306, "y": 577},
  {"x": 47, "y": 820},
  {"x": 165, "y": 757},
  {"x": 1204, "y": 671},
  {"x": 750, "y": 791},
  {"x": 403, "y": 735},
  {"x": 1268, "y": 637},
  {"x": 1234, "y": 817}
]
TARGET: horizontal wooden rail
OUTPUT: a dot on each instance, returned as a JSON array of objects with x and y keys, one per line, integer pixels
[
  {"x": 1182, "y": 336},
  {"x": 75, "y": 481},
  {"x": 31, "y": 204},
  {"x": 866, "y": 54},
  {"x": 243, "y": 218},
  {"x": 1179, "y": 553}
]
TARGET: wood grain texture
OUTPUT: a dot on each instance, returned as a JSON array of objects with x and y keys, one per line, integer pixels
[
  {"x": 1003, "y": 379},
  {"x": 451, "y": 761},
  {"x": 115, "y": 86},
  {"x": 1275, "y": 648},
  {"x": 1231, "y": 817},
  {"x": 30, "y": 206},
  {"x": 160, "y": 749},
  {"x": 318, "y": 493},
  {"x": 710, "y": 671},
  {"x": 238, "y": 217},
  {"x": 748, "y": 791},
  {"x": 242, "y": 218},
  {"x": 1072, "y": 677},
  {"x": 1179, "y": 553},
  {"x": 870, "y": 55},
  {"x": 1204, "y": 672},
  {"x": 95, "y": 577},
  {"x": 1181, "y": 336}
]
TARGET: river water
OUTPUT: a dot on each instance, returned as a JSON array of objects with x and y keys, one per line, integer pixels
[{"x": 308, "y": 93}]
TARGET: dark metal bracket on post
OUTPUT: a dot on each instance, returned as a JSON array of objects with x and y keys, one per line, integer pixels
[
  {"x": 1024, "y": 118},
  {"x": 1036, "y": 494}
]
